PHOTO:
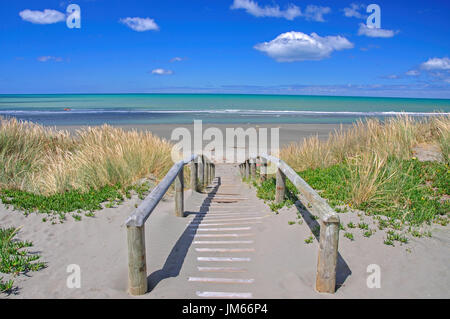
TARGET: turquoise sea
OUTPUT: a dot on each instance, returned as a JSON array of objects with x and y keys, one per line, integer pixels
[{"x": 93, "y": 109}]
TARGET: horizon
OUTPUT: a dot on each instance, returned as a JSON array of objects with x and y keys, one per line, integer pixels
[
  {"x": 250, "y": 47},
  {"x": 245, "y": 94}
]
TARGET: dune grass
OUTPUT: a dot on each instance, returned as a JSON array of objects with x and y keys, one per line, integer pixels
[
  {"x": 369, "y": 142},
  {"x": 371, "y": 167},
  {"x": 51, "y": 170},
  {"x": 409, "y": 191}
]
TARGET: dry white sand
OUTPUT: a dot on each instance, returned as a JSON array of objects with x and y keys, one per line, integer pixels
[{"x": 283, "y": 266}]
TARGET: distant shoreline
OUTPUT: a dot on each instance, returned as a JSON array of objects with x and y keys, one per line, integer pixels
[
  {"x": 289, "y": 133},
  {"x": 230, "y": 94}
]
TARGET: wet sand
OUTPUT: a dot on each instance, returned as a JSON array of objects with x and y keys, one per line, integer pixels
[{"x": 288, "y": 132}]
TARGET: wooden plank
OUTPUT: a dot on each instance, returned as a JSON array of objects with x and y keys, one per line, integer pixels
[
  {"x": 201, "y": 224},
  {"x": 221, "y": 269},
  {"x": 224, "y": 259},
  {"x": 225, "y": 229},
  {"x": 221, "y": 235},
  {"x": 222, "y": 280},
  {"x": 224, "y": 250},
  {"x": 218, "y": 294},
  {"x": 222, "y": 242}
]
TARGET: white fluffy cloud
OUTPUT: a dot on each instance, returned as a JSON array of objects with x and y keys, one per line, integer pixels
[
  {"x": 177, "y": 59},
  {"x": 162, "y": 72},
  {"x": 436, "y": 64},
  {"x": 297, "y": 46},
  {"x": 253, "y": 8},
  {"x": 316, "y": 13},
  {"x": 49, "y": 58},
  {"x": 292, "y": 11},
  {"x": 140, "y": 24},
  {"x": 412, "y": 73},
  {"x": 375, "y": 32},
  {"x": 47, "y": 16},
  {"x": 353, "y": 11}
]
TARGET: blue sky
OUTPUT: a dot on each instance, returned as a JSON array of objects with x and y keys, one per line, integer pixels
[{"x": 229, "y": 46}]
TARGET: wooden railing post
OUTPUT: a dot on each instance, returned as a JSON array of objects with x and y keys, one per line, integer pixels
[
  {"x": 327, "y": 260},
  {"x": 263, "y": 169},
  {"x": 201, "y": 175},
  {"x": 179, "y": 194},
  {"x": 210, "y": 173},
  {"x": 137, "y": 266},
  {"x": 247, "y": 169},
  {"x": 280, "y": 187},
  {"x": 253, "y": 168},
  {"x": 194, "y": 178},
  {"x": 207, "y": 173}
]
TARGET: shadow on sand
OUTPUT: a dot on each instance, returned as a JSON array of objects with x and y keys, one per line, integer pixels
[
  {"x": 342, "y": 269},
  {"x": 175, "y": 260}
]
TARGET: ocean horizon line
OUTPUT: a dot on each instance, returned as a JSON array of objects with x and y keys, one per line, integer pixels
[{"x": 227, "y": 94}]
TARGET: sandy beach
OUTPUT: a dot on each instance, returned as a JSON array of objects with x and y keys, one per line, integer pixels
[
  {"x": 98, "y": 246},
  {"x": 289, "y": 133},
  {"x": 237, "y": 150}
]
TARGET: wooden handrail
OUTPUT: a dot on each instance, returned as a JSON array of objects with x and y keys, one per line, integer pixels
[
  {"x": 137, "y": 265},
  {"x": 329, "y": 230}
]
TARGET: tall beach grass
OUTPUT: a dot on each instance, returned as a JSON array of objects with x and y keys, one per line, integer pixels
[
  {"x": 46, "y": 161},
  {"x": 374, "y": 164},
  {"x": 371, "y": 138}
]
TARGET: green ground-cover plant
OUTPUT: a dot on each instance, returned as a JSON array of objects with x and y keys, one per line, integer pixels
[
  {"x": 266, "y": 191},
  {"x": 349, "y": 236},
  {"x": 372, "y": 168},
  {"x": 14, "y": 258},
  {"x": 71, "y": 201},
  {"x": 412, "y": 194},
  {"x": 409, "y": 194}
]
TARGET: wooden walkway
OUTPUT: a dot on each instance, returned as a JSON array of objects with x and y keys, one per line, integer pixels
[
  {"x": 221, "y": 229},
  {"x": 224, "y": 238}
]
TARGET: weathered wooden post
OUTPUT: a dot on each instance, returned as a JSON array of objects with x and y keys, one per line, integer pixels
[
  {"x": 247, "y": 169},
  {"x": 194, "y": 178},
  {"x": 253, "y": 168},
  {"x": 201, "y": 176},
  {"x": 327, "y": 260},
  {"x": 281, "y": 186},
  {"x": 179, "y": 194},
  {"x": 213, "y": 171},
  {"x": 137, "y": 266},
  {"x": 207, "y": 172},
  {"x": 210, "y": 172},
  {"x": 263, "y": 169}
]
